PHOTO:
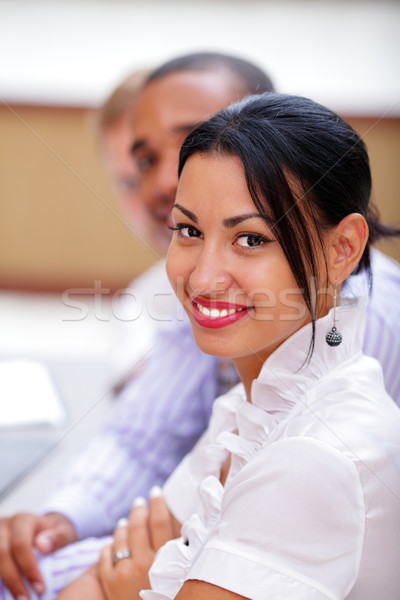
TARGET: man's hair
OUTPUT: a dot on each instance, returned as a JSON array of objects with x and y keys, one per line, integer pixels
[
  {"x": 253, "y": 79},
  {"x": 121, "y": 99}
]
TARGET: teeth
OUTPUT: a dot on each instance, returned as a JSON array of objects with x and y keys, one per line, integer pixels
[
  {"x": 205, "y": 311},
  {"x": 214, "y": 313}
]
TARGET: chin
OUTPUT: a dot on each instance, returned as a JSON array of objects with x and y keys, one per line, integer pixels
[{"x": 210, "y": 344}]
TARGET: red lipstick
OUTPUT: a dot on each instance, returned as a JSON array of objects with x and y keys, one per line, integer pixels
[{"x": 214, "y": 314}]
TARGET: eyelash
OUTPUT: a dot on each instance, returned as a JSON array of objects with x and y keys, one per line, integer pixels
[
  {"x": 179, "y": 226},
  {"x": 258, "y": 237},
  {"x": 262, "y": 240}
]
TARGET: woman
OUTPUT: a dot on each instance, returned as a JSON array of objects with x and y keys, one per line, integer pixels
[{"x": 294, "y": 490}]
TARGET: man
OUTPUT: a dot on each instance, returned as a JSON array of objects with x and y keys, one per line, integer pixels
[
  {"x": 164, "y": 410},
  {"x": 149, "y": 299}
]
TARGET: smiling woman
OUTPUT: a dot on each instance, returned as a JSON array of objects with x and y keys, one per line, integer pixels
[
  {"x": 280, "y": 498},
  {"x": 273, "y": 215}
]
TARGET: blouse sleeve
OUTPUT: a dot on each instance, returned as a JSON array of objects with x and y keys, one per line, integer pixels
[{"x": 291, "y": 526}]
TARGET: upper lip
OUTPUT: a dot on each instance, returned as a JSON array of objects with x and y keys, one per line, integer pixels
[{"x": 217, "y": 304}]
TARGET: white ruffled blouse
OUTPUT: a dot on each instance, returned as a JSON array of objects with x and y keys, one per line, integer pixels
[{"x": 310, "y": 509}]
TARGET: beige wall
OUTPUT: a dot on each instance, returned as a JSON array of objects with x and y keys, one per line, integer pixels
[{"x": 60, "y": 225}]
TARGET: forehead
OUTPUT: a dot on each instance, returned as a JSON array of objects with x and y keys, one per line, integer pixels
[
  {"x": 214, "y": 184},
  {"x": 182, "y": 99},
  {"x": 119, "y": 133}
]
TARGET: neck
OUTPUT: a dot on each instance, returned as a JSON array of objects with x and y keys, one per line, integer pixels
[{"x": 248, "y": 369}]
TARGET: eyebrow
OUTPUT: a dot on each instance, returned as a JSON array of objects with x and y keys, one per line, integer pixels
[
  {"x": 186, "y": 212},
  {"x": 185, "y": 129},
  {"x": 138, "y": 145},
  {"x": 233, "y": 221},
  {"x": 229, "y": 223}
]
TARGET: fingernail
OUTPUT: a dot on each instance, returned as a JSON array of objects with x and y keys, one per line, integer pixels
[
  {"x": 38, "y": 587},
  {"x": 122, "y": 522},
  {"x": 139, "y": 501},
  {"x": 44, "y": 543},
  {"x": 155, "y": 491},
  {"x": 22, "y": 597}
]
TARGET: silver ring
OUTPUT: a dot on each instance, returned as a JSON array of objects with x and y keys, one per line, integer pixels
[{"x": 125, "y": 553}]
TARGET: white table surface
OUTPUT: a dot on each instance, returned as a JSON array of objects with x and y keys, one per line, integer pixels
[{"x": 83, "y": 391}]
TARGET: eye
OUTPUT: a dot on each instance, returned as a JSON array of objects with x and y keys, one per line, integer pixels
[
  {"x": 145, "y": 162},
  {"x": 251, "y": 240},
  {"x": 186, "y": 231}
]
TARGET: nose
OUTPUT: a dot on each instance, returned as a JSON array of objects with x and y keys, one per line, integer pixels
[
  {"x": 165, "y": 181},
  {"x": 210, "y": 276}
]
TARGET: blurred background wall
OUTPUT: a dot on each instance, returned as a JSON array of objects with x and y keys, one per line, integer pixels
[{"x": 60, "y": 225}]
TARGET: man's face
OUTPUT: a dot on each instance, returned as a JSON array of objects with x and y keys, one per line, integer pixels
[
  {"x": 165, "y": 112},
  {"x": 116, "y": 145}
]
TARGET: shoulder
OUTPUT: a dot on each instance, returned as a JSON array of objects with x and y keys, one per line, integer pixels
[
  {"x": 385, "y": 296},
  {"x": 382, "y": 327},
  {"x": 351, "y": 411},
  {"x": 296, "y": 467},
  {"x": 384, "y": 267}
]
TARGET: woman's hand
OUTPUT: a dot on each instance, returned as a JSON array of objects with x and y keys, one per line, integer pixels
[{"x": 124, "y": 565}]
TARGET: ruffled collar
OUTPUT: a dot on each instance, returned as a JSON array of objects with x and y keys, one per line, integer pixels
[
  {"x": 285, "y": 378},
  {"x": 287, "y": 373}
]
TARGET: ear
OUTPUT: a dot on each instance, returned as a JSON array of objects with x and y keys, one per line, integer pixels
[{"x": 346, "y": 246}]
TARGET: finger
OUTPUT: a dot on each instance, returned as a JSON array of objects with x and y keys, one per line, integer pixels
[
  {"x": 105, "y": 571},
  {"x": 160, "y": 521},
  {"x": 8, "y": 569},
  {"x": 12, "y": 579},
  {"x": 105, "y": 565},
  {"x": 138, "y": 530},
  {"x": 56, "y": 532},
  {"x": 121, "y": 538},
  {"x": 117, "y": 581},
  {"x": 22, "y": 528}
]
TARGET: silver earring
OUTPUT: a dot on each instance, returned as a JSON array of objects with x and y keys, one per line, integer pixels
[{"x": 334, "y": 337}]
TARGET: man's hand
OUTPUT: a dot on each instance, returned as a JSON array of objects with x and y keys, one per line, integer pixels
[{"x": 19, "y": 535}]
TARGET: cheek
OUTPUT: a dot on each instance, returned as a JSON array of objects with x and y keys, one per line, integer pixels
[
  {"x": 272, "y": 288},
  {"x": 146, "y": 184}
]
